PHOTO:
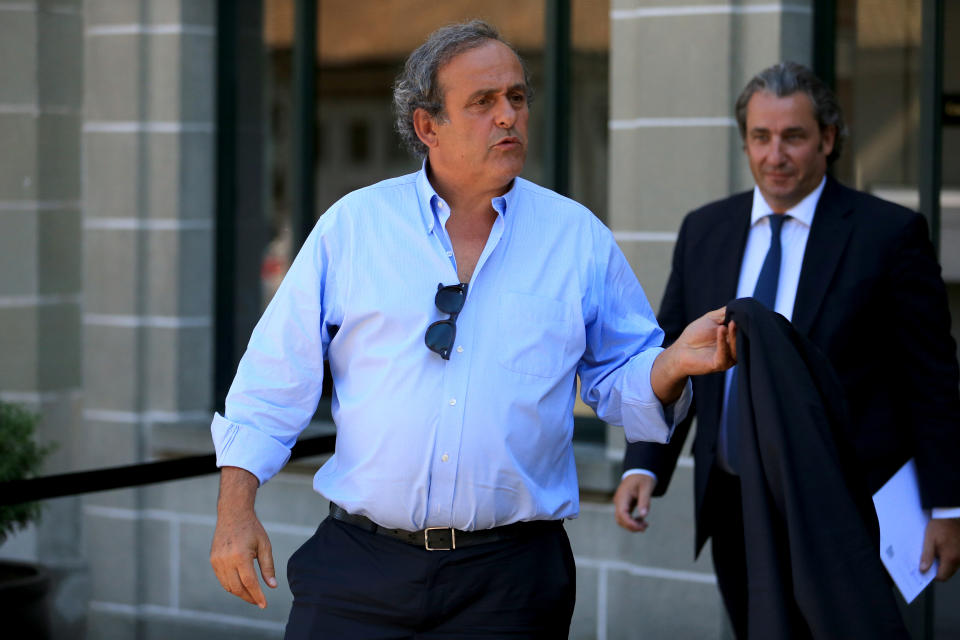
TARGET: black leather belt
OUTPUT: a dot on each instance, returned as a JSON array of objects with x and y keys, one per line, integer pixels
[{"x": 444, "y": 538}]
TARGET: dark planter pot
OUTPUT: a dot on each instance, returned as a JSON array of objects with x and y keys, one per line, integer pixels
[{"x": 24, "y": 589}]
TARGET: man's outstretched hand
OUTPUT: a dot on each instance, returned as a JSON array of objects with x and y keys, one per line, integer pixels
[{"x": 705, "y": 346}]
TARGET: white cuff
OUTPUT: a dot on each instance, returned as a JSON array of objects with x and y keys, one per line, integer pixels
[
  {"x": 945, "y": 512},
  {"x": 634, "y": 472}
]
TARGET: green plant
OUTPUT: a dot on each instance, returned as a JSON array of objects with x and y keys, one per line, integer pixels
[{"x": 20, "y": 457}]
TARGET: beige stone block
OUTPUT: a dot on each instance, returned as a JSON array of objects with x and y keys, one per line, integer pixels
[
  {"x": 197, "y": 79},
  {"x": 584, "y": 623},
  {"x": 113, "y": 174},
  {"x": 180, "y": 370},
  {"x": 18, "y": 171},
  {"x": 114, "y": 78},
  {"x": 111, "y": 271},
  {"x": 111, "y": 375},
  {"x": 165, "y": 66},
  {"x": 110, "y": 12},
  {"x": 196, "y": 272},
  {"x": 671, "y": 67},
  {"x": 197, "y": 176},
  {"x": 658, "y": 175},
  {"x": 133, "y": 559},
  {"x": 18, "y": 51}
]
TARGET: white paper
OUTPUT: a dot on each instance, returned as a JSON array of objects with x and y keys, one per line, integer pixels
[{"x": 902, "y": 525}]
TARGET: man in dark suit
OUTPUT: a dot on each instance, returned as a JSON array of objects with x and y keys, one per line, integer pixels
[{"x": 855, "y": 274}]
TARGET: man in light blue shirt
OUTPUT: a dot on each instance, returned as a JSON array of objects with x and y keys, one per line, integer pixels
[{"x": 457, "y": 308}]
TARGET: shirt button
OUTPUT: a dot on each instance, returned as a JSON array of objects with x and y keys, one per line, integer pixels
[
  {"x": 445, "y": 457},
  {"x": 459, "y": 349},
  {"x": 453, "y": 401},
  {"x": 449, "y": 254}
]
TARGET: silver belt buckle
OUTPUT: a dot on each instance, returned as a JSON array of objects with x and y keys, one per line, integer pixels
[{"x": 426, "y": 538}]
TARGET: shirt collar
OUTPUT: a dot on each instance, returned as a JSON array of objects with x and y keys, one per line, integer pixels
[
  {"x": 433, "y": 209},
  {"x": 802, "y": 212}
]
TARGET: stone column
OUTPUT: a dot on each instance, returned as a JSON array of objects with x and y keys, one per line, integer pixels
[{"x": 148, "y": 141}]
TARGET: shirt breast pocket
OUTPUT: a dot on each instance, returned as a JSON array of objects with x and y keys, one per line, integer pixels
[{"x": 535, "y": 332}]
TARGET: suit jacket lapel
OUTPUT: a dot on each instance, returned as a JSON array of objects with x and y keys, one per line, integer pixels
[
  {"x": 729, "y": 241},
  {"x": 828, "y": 238}
]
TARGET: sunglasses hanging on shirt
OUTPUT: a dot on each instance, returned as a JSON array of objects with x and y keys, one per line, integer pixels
[{"x": 441, "y": 335}]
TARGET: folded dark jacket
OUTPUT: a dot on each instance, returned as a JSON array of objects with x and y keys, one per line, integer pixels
[{"x": 813, "y": 563}]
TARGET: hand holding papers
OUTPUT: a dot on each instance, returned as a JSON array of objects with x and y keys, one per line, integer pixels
[{"x": 902, "y": 525}]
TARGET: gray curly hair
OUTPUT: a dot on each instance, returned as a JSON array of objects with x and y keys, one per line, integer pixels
[
  {"x": 417, "y": 86},
  {"x": 785, "y": 79}
]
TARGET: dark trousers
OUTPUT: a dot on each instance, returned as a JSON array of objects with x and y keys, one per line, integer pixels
[
  {"x": 350, "y": 584},
  {"x": 727, "y": 547}
]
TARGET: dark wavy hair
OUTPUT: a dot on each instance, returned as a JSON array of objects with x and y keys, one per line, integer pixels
[
  {"x": 417, "y": 86},
  {"x": 785, "y": 79}
]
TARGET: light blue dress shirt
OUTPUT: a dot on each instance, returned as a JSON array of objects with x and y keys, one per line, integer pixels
[{"x": 481, "y": 440}]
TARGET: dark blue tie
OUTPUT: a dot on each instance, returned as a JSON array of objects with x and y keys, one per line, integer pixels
[{"x": 766, "y": 294}]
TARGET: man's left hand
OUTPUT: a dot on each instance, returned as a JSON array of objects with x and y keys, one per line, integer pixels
[
  {"x": 942, "y": 541},
  {"x": 705, "y": 346}
]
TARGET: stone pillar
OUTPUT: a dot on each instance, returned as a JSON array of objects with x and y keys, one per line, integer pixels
[
  {"x": 40, "y": 256},
  {"x": 148, "y": 154},
  {"x": 676, "y": 69}
]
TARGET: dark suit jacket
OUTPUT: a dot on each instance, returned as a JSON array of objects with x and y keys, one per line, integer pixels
[
  {"x": 871, "y": 298},
  {"x": 812, "y": 566}
]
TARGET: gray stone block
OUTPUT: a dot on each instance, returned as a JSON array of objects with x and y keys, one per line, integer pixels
[
  {"x": 196, "y": 272},
  {"x": 60, "y": 57},
  {"x": 652, "y": 77},
  {"x": 188, "y": 12},
  {"x": 114, "y": 77},
  {"x": 110, "y": 12},
  {"x": 639, "y": 608},
  {"x": 197, "y": 176},
  {"x": 59, "y": 346},
  {"x": 18, "y": 50},
  {"x": 197, "y": 76},
  {"x": 194, "y": 375},
  {"x": 59, "y": 251},
  {"x": 651, "y": 262},
  {"x": 110, "y": 368},
  {"x": 18, "y": 253},
  {"x": 111, "y": 625},
  {"x": 111, "y": 270},
  {"x": 159, "y": 627},
  {"x": 178, "y": 378},
  {"x": 18, "y": 344},
  {"x": 18, "y": 171},
  {"x": 58, "y": 155},
  {"x": 132, "y": 560},
  {"x": 113, "y": 175},
  {"x": 110, "y": 444}
]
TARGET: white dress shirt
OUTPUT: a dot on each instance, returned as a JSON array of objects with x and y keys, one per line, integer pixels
[{"x": 482, "y": 439}]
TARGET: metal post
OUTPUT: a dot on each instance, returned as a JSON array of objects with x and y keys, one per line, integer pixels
[
  {"x": 931, "y": 116},
  {"x": 556, "y": 157},
  {"x": 304, "y": 120},
  {"x": 226, "y": 228}
]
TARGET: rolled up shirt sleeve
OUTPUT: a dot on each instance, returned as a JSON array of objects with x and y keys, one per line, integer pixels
[
  {"x": 280, "y": 376},
  {"x": 622, "y": 341}
]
